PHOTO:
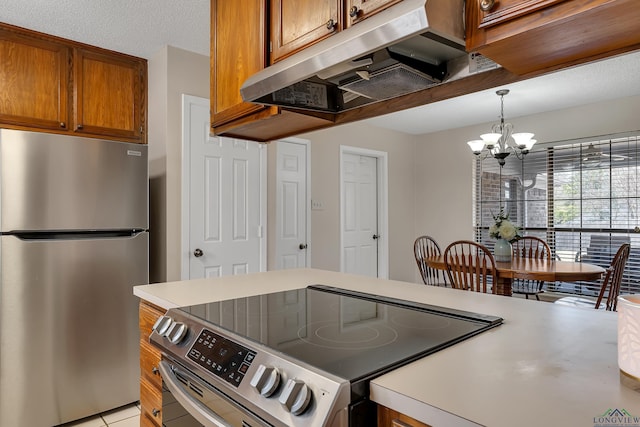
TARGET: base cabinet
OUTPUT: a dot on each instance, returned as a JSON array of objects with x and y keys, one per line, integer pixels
[
  {"x": 150, "y": 380},
  {"x": 390, "y": 418}
]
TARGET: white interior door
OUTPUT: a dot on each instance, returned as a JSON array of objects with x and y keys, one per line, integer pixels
[
  {"x": 224, "y": 212},
  {"x": 292, "y": 201},
  {"x": 363, "y": 212}
]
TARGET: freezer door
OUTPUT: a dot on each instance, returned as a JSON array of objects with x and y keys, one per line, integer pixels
[
  {"x": 59, "y": 182},
  {"x": 69, "y": 334}
]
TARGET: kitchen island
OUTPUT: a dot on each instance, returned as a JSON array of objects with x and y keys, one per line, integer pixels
[{"x": 545, "y": 365}]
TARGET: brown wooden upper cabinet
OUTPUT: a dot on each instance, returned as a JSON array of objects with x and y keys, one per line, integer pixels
[
  {"x": 297, "y": 24},
  {"x": 51, "y": 84},
  {"x": 107, "y": 94},
  {"x": 33, "y": 81},
  {"x": 357, "y": 10},
  {"x": 526, "y": 36},
  {"x": 238, "y": 50}
]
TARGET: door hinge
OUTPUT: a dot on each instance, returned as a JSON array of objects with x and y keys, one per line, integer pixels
[{"x": 260, "y": 232}]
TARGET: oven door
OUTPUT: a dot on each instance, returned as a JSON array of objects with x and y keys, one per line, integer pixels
[{"x": 188, "y": 401}]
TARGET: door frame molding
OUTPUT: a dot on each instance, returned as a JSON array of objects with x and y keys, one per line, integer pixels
[
  {"x": 383, "y": 205},
  {"x": 185, "y": 210},
  {"x": 307, "y": 143}
]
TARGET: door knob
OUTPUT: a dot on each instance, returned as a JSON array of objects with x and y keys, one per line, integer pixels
[
  {"x": 376, "y": 236},
  {"x": 303, "y": 246},
  {"x": 198, "y": 253}
]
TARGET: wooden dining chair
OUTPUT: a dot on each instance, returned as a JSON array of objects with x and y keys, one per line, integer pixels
[
  {"x": 534, "y": 248},
  {"x": 471, "y": 266},
  {"x": 423, "y": 248},
  {"x": 610, "y": 284}
]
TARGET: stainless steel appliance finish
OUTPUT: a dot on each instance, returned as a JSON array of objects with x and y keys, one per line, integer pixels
[
  {"x": 73, "y": 243},
  {"x": 405, "y": 48},
  {"x": 297, "y": 358}
]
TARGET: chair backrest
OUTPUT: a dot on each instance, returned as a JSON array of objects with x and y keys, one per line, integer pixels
[
  {"x": 531, "y": 247},
  {"x": 470, "y": 266},
  {"x": 423, "y": 248},
  {"x": 613, "y": 277}
]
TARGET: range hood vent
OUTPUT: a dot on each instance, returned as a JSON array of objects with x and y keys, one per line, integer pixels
[{"x": 403, "y": 49}]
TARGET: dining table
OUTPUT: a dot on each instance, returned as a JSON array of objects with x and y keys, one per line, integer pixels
[{"x": 533, "y": 269}]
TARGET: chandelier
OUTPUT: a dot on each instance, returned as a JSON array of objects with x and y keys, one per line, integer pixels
[{"x": 501, "y": 142}]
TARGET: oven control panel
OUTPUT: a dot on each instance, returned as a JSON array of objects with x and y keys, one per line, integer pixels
[
  {"x": 222, "y": 357},
  {"x": 278, "y": 389}
]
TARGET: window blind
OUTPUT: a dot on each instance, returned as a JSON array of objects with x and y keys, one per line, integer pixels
[{"x": 580, "y": 196}]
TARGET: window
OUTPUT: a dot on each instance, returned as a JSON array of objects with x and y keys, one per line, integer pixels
[{"x": 580, "y": 196}]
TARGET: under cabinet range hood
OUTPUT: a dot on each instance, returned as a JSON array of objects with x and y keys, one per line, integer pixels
[{"x": 403, "y": 49}]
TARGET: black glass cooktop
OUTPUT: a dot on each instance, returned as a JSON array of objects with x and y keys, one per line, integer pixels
[{"x": 352, "y": 335}]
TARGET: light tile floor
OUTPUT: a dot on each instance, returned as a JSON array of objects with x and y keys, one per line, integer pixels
[{"x": 126, "y": 416}]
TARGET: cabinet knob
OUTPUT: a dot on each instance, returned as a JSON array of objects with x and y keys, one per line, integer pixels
[
  {"x": 487, "y": 5},
  {"x": 79, "y": 126},
  {"x": 63, "y": 125},
  {"x": 331, "y": 24},
  {"x": 155, "y": 370},
  {"x": 155, "y": 412},
  {"x": 353, "y": 12}
]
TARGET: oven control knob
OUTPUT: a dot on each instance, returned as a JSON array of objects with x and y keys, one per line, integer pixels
[
  {"x": 176, "y": 332},
  {"x": 162, "y": 325},
  {"x": 296, "y": 396},
  {"x": 266, "y": 380}
]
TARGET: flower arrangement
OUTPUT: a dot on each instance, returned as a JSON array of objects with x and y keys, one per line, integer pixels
[{"x": 503, "y": 228}]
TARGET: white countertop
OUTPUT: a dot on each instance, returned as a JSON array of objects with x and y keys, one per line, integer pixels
[{"x": 546, "y": 365}]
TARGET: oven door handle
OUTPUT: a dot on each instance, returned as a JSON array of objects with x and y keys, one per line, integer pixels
[{"x": 196, "y": 409}]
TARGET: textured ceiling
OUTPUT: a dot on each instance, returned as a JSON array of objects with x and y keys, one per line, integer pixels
[
  {"x": 137, "y": 27},
  {"x": 142, "y": 27}
]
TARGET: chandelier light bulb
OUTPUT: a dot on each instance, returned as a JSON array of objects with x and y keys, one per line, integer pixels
[
  {"x": 522, "y": 139},
  {"x": 476, "y": 145},
  {"x": 490, "y": 139}
]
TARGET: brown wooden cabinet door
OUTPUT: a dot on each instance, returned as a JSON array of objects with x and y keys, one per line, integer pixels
[
  {"x": 150, "y": 404},
  {"x": 109, "y": 94},
  {"x": 390, "y": 418},
  {"x": 496, "y": 12},
  {"x": 150, "y": 380},
  {"x": 238, "y": 50},
  {"x": 357, "y": 10},
  {"x": 34, "y": 76},
  {"x": 297, "y": 24},
  {"x": 527, "y": 36}
]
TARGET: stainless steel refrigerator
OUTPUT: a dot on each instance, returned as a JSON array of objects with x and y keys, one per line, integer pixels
[{"x": 74, "y": 241}]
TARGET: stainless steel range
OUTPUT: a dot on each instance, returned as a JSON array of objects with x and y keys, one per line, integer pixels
[{"x": 296, "y": 358}]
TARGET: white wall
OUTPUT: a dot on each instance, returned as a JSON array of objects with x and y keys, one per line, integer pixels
[
  {"x": 172, "y": 72},
  {"x": 325, "y": 187},
  {"x": 443, "y": 161}
]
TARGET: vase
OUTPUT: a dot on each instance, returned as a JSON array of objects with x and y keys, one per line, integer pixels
[{"x": 502, "y": 251}]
